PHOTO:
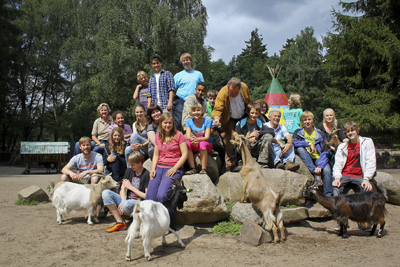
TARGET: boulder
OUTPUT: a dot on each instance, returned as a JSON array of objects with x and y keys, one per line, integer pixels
[
  {"x": 254, "y": 234},
  {"x": 212, "y": 166},
  {"x": 245, "y": 211},
  {"x": 230, "y": 184},
  {"x": 33, "y": 192},
  {"x": 318, "y": 211},
  {"x": 304, "y": 170},
  {"x": 147, "y": 164},
  {"x": 294, "y": 215},
  {"x": 391, "y": 185},
  {"x": 205, "y": 203}
]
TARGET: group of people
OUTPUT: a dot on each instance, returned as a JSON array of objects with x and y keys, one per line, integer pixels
[{"x": 162, "y": 116}]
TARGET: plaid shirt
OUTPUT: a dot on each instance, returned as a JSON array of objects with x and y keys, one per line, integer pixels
[{"x": 166, "y": 84}]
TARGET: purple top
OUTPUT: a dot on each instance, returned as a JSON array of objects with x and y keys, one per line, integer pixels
[{"x": 127, "y": 130}]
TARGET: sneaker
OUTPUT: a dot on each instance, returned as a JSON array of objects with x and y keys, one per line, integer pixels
[
  {"x": 279, "y": 165},
  {"x": 291, "y": 166},
  {"x": 203, "y": 171},
  {"x": 116, "y": 227}
]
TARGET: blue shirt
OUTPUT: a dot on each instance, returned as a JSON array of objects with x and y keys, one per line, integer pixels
[
  {"x": 200, "y": 131},
  {"x": 186, "y": 82},
  {"x": 292, "y": 119},
  {"x": 280, "y": 132},
  {"x": 165, "y": 83}
]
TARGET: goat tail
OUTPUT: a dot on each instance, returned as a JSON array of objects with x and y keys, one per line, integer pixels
[{"x": 270, "y": 220}]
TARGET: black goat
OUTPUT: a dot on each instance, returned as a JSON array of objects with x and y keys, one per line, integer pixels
[{"x": 364, "y": 207}]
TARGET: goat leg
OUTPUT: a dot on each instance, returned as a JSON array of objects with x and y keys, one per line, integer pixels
[
  {"x": 163, "y": 242},
  {"x": 146, "y": 244},
  {"x": 373, "y": 229},
  {"x": 380, "y": 232},
  {"x": 59, "y": 217},
  {"x": 344, "y": 227},
  {"x": 281, "y": 227},
  {"x": 128, "y": 253},
  {"x": 89, "y": 220},
  {"x": 178, "y": 237},
  {"x": 275, "y": 231},
  {"x": 244, "y": 191}
]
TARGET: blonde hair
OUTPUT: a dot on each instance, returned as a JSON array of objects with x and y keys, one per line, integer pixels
[
  {"x": 83, "y": 140},
  {"x": 334, "y": 121},
  {"x": 296, "y": 101},
  {"x": 120, "y": 146},
  {"x": 196, "y": 106},
  {"x": 140, "y": 74},
  {"x": 102, "y": 105},
  {"x": 161, "y": 134},
  {"x": 135, "y": 157},
  {"x": 185, "y": 55},
  {"x": 306, "y": 115},
  {"x": 212, "y": 93}
]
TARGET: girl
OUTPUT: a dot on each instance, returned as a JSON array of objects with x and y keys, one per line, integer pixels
[
  {"x": 170, "y": 153},
  {"x": 330, "y": 125},
  {"x": 142, "y": 89},
  {"x": 114, "y": 158},
  {"x": 263, "y": 110},
  {"x": 119, "y": 121},
  {"x": 292, "y": 116},
  {"x": 155, "y": 112},
  {"x": 139, "y": 139},
  {"x": 198, "y": 130}
]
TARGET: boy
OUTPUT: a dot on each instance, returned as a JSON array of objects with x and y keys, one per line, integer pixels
[
  {"x": 161, "y": 86},
  {"x": 88, "y": 164},
  {"x": 211, "y": 96},
  {"x": 282, "y": 154},
  {"x": 186, "y": 81},
  {"x": 134, "y": 186},
  {"x": 198, "y": 97},
  {"x": 310, "y": 146},
  {"x": 259, "y": 135}
]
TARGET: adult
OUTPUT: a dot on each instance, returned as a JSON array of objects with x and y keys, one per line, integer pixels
[
  {"x": 139, "y": 140},
  {"x": 282, "y": 154},
  {"x": 310, "y": 146},
  {"x": 185, "y": 84},
  {"x": 198, "y": 97},
  {"x": 330, "y": 125},
  {"x": 161, "y": 86},
  {"x": 119, "y": 121},
  {"x": 142, "y": 89},
  {"x": 230, "y": 107},
  {"x": 263, "y": 110},
  {"x": 87, "y": 163},
  {"x": 155, "y": 112},
  {"x": 114, "y": 157},
  {"x": 100, "y": 134}
]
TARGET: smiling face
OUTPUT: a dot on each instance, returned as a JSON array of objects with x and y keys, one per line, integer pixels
[
  {"x": 156, "y": 64},
  {"x": 85, "y": 147},
  {"x": 143, "y": 80},
  {"x": 196, "y": 113},
  {"x": 263, "y": 109},
  {"x": 352, "y": 135},
  {"x": 308, "y": 123},
  {"x": 139, "y": 112},
  {"x": 253, "y": 115},
  {"x": 119, "y": 120},
  {"x": 103, "y": 112},
  {"x": 200, "y": 91},
  {"x": 155, "y": 115},
  {"x": 274, "y": 118},
  {"x": 167, "y": 125},
  {"x": 187, "y": 63},
  {"x": 116, "y": 137},
  {"x": 329, "y": 116}
]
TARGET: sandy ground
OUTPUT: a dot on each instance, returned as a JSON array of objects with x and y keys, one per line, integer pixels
[{"x": 30, "y": 236}]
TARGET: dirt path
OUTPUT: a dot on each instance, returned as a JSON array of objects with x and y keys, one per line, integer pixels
[{"x": 30, "y": 236}]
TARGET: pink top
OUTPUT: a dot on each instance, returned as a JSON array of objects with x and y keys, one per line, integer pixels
[{"x": 169, "y": 153}]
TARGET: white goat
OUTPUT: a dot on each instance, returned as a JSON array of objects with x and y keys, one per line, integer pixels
[
  {"x": 69, "y": 198},
  {"x": 152, "y": 218}
]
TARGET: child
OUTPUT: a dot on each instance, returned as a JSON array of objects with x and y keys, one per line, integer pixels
[
  {"x": 292, "y": 116},
  {"x": 170, "y": 153},
  {"x": 142, "y": 89},
  {"x": 161, "y": 86},
  {"x": 263, "y": 110},
  {"x": 211, "y": 96},
  {"x": 198, "y": 135},
  {"x": 134, "y": 186},
  {"x": 198, "y": 97},
  {"x": 114, "y": 157},
  {"x": 259, "y": 135}
]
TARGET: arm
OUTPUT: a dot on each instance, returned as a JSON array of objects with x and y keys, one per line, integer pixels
[
  {"x": 136, "y": 93},
  {"x": 285, "y": 148},
  {"x": 94, "y": 138},
  {"x": 184, "y": 154},
  {"x": 128, "y": 186},
  {"x": 154, "y": 162},
  {"x": 219, "y": 106},
  {"x": 67, "y": 171},
  {"x": 149, "y": 101},
  {"x": 298, "y": 141},
  {"x": 170, "y": 98},
  {"x": 369, "y": 159},
  {"x": 152, "y": 137},
  {"x": 188, "y": 133},
  {"x": 206, "y": 136}
]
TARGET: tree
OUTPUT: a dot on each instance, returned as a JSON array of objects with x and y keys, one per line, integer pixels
[
  {"x": 362, "y": 61},
  {"x": 219, "y": 75}
]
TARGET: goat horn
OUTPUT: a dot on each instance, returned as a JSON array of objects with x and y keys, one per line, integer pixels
[{"x": 176, "y": 181}]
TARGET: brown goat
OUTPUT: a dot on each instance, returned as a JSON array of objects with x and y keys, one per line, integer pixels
[
  {"x": 260, "y": 191},
  {"x": 334, "y": 139},
  {"x": 364, "y": 207}
]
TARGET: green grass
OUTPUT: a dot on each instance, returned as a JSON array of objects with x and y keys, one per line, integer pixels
[
  {"x": 22, "y": 201},
  {"x": 288, "y": 206},
  {"x": 230, "y": 204},
  {"x": 227, "y": 227}
]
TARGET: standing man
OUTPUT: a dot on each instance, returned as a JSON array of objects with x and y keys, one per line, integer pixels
[
  {"x": 161, "y": 86},
  {"x": 230, "y": 107},
  {"x": 186, "y": 81}
]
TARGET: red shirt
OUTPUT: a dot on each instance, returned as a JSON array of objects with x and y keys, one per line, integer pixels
[
  {"x": 352, "y": 167},
  {"x": 169, "y": 153}
]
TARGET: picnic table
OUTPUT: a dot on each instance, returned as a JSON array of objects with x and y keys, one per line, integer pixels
[{"x": 47, "y": 153}]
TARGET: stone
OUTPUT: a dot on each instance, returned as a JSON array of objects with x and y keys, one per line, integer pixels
[
  {"x": 304, "y": 170},
  {"x": 254, "y": 234},
  {"x": 147, "y": 164},
  {"x": 391, "y": 185},
  {"x": 205, "y": 203},
  {"x": 243, "y": 211},
  {"x": 212, "y": 166},
  {"x": 230, "y": 184},
  {"x": 317, "y": 211},
  {"x": 294, "y": 215},
  {"x": 33, "y": 192}
]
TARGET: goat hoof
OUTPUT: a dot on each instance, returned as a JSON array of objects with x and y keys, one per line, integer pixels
[
  {"x": 164, "y": 244},
  {"x": 148, "y": 258},
  {"x": 127, "y": 258}
]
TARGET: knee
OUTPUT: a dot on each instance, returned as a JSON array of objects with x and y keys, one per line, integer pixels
[
  {"x": 64, "y": 178},
  {"x": 94, "y": 179},
  {"x": 106, "y": 194},
  {"x": 126, "y": 209}
]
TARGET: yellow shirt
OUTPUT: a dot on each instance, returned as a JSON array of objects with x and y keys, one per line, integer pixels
[{"x": 311, "y": 139}]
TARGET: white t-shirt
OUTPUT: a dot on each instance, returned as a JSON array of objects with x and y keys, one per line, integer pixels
[
  {"x": 157, "y": 75},
  {"x": 237, "y": 107}
]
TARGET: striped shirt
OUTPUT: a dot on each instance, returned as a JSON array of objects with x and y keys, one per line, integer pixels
[{"x": 166, "y": 84}]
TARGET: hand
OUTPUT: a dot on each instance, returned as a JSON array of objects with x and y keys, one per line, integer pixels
[
  {"x": 136, "y": 146},
  {"x": 253, "y": 139},
  {"x": 215, "y": 123},
  {"x": 336, "y": 183},
  {"x": 75, "y": 177},
  {"x": 312, "y": 148},
  {"x": 169, "y": 106},
  {"x": 255, "y": 134},
  {"x": 318, "y": 170},
  {"x": 152, "y": 174},
  {"x": 120, "y": 210},
  {"x": 111, "y": 158},
  {"x": 139, "y": 86},
  {"x": 285, "y": 148},
  {"x": 102, "y": 144},
  {"x": 126, "y": 183},
  {"x": 333, "y": 148},
  {"x": 366, "y": 185},
  {"x": 171, "y": 172}
]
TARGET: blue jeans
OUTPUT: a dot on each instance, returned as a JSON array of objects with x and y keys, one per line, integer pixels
[
  {"x": 118, "y": 167},
  {"x": 93, "y": 146},
  {"x": 135, "y": 139},
  {"x": 160, "y": 188},
  {"x": 311, "y": 165},
  {"x": 110, "y": 197},
  {"x": 177, "y": 111},
  {"x": 276, "y": 154}
]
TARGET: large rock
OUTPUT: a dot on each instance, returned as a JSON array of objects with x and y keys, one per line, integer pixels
[
  {"x": 245, "y": 211},
  {"x": 212, "y": 166},
  {"x": 391, "y": 185},
  {"x": 147, "y": 164},
  {"x": 205, "y": 203},
  {"x": 253, "y": 234},
  {"x": 230, "y": 184},
  {"x": 33, "y": 192},
  {"x": 294, "y": 215},
  {"x": 318, "y": 211}
]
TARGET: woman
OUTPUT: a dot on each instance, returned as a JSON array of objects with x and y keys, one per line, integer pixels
[
  {"x": 263, "y": 110},
  {"x": 139, "y": 139},
  {"x": 142, "y": 89},
  {"x": 170, "y": 153},
  {"x": 155, "y": 112},
  {"x": 114, "y": 158},
  {"x": 331, "y": 125},
  {"x": 100, "y": 134},
  {"x": 119, "y": 121}
]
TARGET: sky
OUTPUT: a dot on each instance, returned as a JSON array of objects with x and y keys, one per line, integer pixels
[{"x": 230, "y": 23}]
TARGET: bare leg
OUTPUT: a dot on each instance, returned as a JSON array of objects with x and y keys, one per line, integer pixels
[
  {"x": 115, "y": 213},
  {"x": 203, "y": 158},
  {"x": 191, "y": 159}
]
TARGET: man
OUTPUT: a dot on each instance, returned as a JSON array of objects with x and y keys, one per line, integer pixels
[
  {"x": 282, "y": 154},
  {"x": 230, "y": 107},
  {"x": 198, "y": 97},
  {"x": 88, "y": 164},
  {"x": 161, "y": 86},
  {"x": 186, "y": 81}
]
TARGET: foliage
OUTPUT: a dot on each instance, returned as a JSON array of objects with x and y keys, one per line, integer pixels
[
  {"x": 289, "y": 206},
  {"x": 230, "y": 204},
  {"x": 22, "y": 201},
  {"x": 227, "y": 227}
]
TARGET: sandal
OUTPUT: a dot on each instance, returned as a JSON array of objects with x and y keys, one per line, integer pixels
[
  {"x": 203, "y": 171},
  {"x": 192, "y": 171}
]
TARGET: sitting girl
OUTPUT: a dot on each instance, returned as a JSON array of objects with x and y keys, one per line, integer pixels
[
  {"x": 119, "y": 121},
  {"x": 198, "y": 135},
  {"x": 114, "y": 158},
  {"x": 170, "y": 153}
]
